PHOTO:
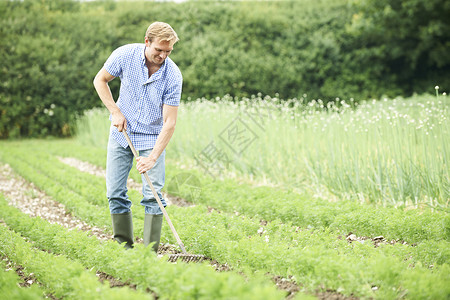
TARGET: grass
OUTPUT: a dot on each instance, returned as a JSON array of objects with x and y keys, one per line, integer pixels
[{"x": 387, "y": 152}]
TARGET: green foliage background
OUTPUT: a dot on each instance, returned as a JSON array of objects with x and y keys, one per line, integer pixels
[{"x": 51, "y": 50}]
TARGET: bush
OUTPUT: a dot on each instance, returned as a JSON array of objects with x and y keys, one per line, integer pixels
[
  {"x": 52, "y": 49},
  {"x": 49, "y": 53}
]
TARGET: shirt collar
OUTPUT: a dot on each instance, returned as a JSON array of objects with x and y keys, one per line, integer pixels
[
  {"x": 143, "y": 53},
  {"x": 158, "y": 73}
]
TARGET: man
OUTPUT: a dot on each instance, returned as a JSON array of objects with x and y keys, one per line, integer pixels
[{"x": 147, "y": 107}]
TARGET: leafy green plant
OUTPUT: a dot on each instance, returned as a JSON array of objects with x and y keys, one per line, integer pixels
[
  {"x": 305, "y": 234},
  {"x": 242, "y": 243},
  {"x": 140, "y": 266},
  {"x": 10, "y": 288},
  {"x": 60, "y": 276}
]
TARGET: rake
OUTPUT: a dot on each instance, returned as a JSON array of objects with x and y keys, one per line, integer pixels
[{"x": 184, "y": 256}]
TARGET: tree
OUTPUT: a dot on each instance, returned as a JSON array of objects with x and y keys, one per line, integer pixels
[{"x": 408, "y": 38}]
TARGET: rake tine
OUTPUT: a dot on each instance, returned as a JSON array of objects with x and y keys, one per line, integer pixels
[{"x": 186, "y": 257}]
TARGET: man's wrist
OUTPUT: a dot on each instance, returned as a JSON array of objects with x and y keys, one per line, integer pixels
[
  {"x": 152, "y": 157},
  {"x": 115, "y": 111}
]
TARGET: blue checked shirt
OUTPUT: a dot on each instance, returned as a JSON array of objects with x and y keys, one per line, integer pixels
[{"x": 141, "y": 98}]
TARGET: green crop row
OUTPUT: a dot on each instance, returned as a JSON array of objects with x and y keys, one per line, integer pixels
[
  {"x": 73, "y": 201},
  {"x": 312, "y": 257},
  {"x": 270, "y": 203},
  {"x": 76, "y": 190},
  {"x": 140, "y": 266},
  {"x": 10, "y": 288},
  {"x": 59, "y": 275},
  {"x": 72, "y": 179}
]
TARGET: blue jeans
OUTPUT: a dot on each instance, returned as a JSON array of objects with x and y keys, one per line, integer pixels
[{"x": 119, "y": 162}]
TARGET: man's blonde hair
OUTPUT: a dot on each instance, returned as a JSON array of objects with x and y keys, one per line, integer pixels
[{"x": 161, "y": 31}]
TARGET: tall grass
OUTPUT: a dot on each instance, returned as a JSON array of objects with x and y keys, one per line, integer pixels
[
  {"x": 388, "y": 152},
  {"x": 93, "y": 128}
]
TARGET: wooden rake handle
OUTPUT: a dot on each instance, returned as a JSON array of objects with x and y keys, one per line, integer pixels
[{"x": 161, "y": 206}]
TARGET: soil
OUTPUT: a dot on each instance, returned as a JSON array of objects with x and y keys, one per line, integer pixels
[
  {"x": 332, "y": 295},
  {"x": 292, "y": 288},
  {"x": 288, "y": 285},
  {"x": 376, "y": 241},
  {"x": 166, "y": 249},
  {"x": 26, "y": 280},
  {"x": 113, "y": 282}
]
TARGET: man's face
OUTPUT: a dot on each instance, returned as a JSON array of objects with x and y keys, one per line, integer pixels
[{"x": 157, "y": 51}]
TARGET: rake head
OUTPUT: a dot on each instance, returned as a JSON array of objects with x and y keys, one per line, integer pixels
[{"x": 186, "y": 257}]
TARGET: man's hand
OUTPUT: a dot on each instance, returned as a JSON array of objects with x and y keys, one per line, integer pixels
[
  {"x": 119, "y": 121},
  {"x": 144, "y": 164},
  {"x": 101, "y": 86}
]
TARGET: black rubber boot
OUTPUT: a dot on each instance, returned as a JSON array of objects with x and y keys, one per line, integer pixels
[
  {"x": 152, "y": 230},
  {"x": 123, "y": 229}
]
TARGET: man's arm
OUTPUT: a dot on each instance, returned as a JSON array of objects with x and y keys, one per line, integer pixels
[
  {"x": 169, "y": 121},
  {"x": 101, "y": 86}
]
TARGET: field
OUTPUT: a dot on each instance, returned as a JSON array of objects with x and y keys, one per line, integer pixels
[{"x": 288, "y": 199}]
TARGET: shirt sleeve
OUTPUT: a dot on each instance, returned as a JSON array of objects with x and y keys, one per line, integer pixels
[
  {"x": 172, "y": 94},
  {"x": 114, "y": 63}
]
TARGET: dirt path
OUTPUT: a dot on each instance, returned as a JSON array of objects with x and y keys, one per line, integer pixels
[{"x": 30, "y": 200}]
